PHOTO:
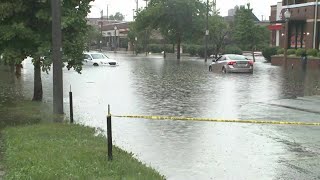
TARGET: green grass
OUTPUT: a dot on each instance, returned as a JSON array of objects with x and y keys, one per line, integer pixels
[
  {"x": 19, "y": 113},
  {"x": 62, "y": 151},
  {"x": 33, "y": 147}
]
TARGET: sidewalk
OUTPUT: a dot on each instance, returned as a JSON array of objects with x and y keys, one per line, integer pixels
[{"x": 306, "y": 104}]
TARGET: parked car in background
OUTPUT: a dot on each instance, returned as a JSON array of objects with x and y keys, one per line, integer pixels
[
  {"x": 230, "y": 63},
  {"x": 97, "y": 59}
]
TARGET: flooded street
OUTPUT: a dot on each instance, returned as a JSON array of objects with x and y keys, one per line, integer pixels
[{"x": 183, "y": 150}]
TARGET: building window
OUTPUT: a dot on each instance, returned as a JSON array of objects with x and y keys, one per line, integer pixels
[
  {"x": 291, "y": 2},
  {"x": 297, "y": 35}
]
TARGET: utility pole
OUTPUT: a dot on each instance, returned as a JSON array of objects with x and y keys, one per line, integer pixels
[
  {"x": 137, "y": 4},
  {"x": 101, "y": 25},
  {"x": 108, "y": 13},
  {"x": 207, "y": 34},
  {"x": 57, "y": 57},
  {"x": 146, "y": 34}
]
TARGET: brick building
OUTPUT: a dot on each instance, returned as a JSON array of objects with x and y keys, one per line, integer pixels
[{"x": 303, "y": 32}]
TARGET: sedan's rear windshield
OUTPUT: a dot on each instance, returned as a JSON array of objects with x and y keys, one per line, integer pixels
[
  {"x": 98, "y": 56},
  {"x": 235, "y": 57}
]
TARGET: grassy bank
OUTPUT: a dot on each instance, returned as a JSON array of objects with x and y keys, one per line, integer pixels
[{"x": 34, "y": 148}]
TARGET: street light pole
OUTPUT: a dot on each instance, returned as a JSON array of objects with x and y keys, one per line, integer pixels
[
  {"x": 101, "y": 25},
  {"x": 207, "y": 33},
  {"x": 115, "y": 41},
  {"x": 57, "y": 57},
  {"x": 287, "y": 16}
]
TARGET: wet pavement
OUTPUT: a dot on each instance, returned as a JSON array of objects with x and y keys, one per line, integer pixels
[{"x": 200, "y": 150}]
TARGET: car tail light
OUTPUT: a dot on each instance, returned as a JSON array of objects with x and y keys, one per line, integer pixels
[
  {"x": 250, "y": 63},
  {"x": 232, "y": 62}
]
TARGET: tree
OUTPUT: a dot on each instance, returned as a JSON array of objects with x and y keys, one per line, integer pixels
[
  {"x": 179, "y": 17},
  {"x": 25, "y": 30},
  {"x": 118, "y": 17},
  {"x": 219, "y": 31},
  {"x": 93, "y": 36},
  {"x": 246, "y": 33}
]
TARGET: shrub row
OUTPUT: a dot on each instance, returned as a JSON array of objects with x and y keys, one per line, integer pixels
[
  {"x": 299, "y": 52},
  {"x": 198, "y": 50},
  {"x": 270, "y": 51}
]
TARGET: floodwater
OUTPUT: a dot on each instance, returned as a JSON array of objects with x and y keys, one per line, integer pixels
[{"x": 182, "y": 150}]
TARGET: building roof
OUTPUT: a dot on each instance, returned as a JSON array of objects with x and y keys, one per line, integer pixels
[{"x": 120, "y": 26}]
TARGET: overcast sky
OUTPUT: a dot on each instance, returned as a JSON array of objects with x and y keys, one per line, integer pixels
[{"x": 260, "y": 7}]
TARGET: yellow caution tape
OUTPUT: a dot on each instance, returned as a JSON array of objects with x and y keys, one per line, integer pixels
[{"x": 220, "y": 120}]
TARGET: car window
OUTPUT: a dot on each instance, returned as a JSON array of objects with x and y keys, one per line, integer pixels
[
  {"x": 87, "y": 56},
  {"x": 98, "y": 56},
  {"x": 222, "y": 58},
  {"x": 219, "y": 58},
  {"x": 236, "y": 57}
]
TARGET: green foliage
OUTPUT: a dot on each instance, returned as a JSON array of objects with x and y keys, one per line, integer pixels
[
  {"x": 118, "y": 16},
  {"x": 280, "y": 51},
  {"x": 300, "y": 52},
  {"x": 246, "y": 33},
  {"x": 312, "y": 52},
  {"x": 155, "y": 48},
  {"x": 26, "y": 31},
  {"x": 268, "y": 52},
  {"x": 232, "y": 49},
  {"x": 291, "y": 51},
  {"x": 318, "y": 55},
  {"x": 201, "y": 51},
  {"x": 218, "y": 32},
  {"x": 93, "y": 36},
  {"x": 179, "y": 20},
  {"x": 193, "y": 50},
  {"x": 63, "y": 151}
]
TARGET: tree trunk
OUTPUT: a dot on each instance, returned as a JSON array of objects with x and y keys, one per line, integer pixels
[
  {"x": 173, "y": 49},
  {"x": 18, "y": 70},
  {"x": 254, "y": 58},
  {"x": 37, "y": 90},
  {"x": 178, "y": 45}
]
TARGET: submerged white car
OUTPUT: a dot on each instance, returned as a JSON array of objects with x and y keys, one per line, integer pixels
[{"x": 97, "y": 59}]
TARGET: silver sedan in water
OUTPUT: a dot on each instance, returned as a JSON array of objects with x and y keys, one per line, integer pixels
[{"x": 232, "y": 63}]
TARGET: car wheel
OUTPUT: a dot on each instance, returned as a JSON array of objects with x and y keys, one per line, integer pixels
[
  {"x": 224, "y": 70},
  {"x": 95, "y": 64}
]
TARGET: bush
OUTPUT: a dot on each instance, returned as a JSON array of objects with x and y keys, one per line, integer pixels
[
  {"x": 318, "y": 55},
  {"x": 291, "y": 51},
  {"x": 155, "y": 48},
  {"x": 232, "y": 50},
  {"x": 268, "y": 52},
  {"x": 312, "y": 52},
  {"x": 168, "y": 48},
  {"x": 300, "y": 52},
  {"x": 280, "y": 51},
  {"x": 202, "y": 49},
  {"x": 193, "y": 50}
]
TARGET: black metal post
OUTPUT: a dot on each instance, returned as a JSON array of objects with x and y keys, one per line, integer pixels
[
  {"x": 57, "y": 57},
  {"x": 109, "y": 134},
  {"x": 71, "y": 106}
]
